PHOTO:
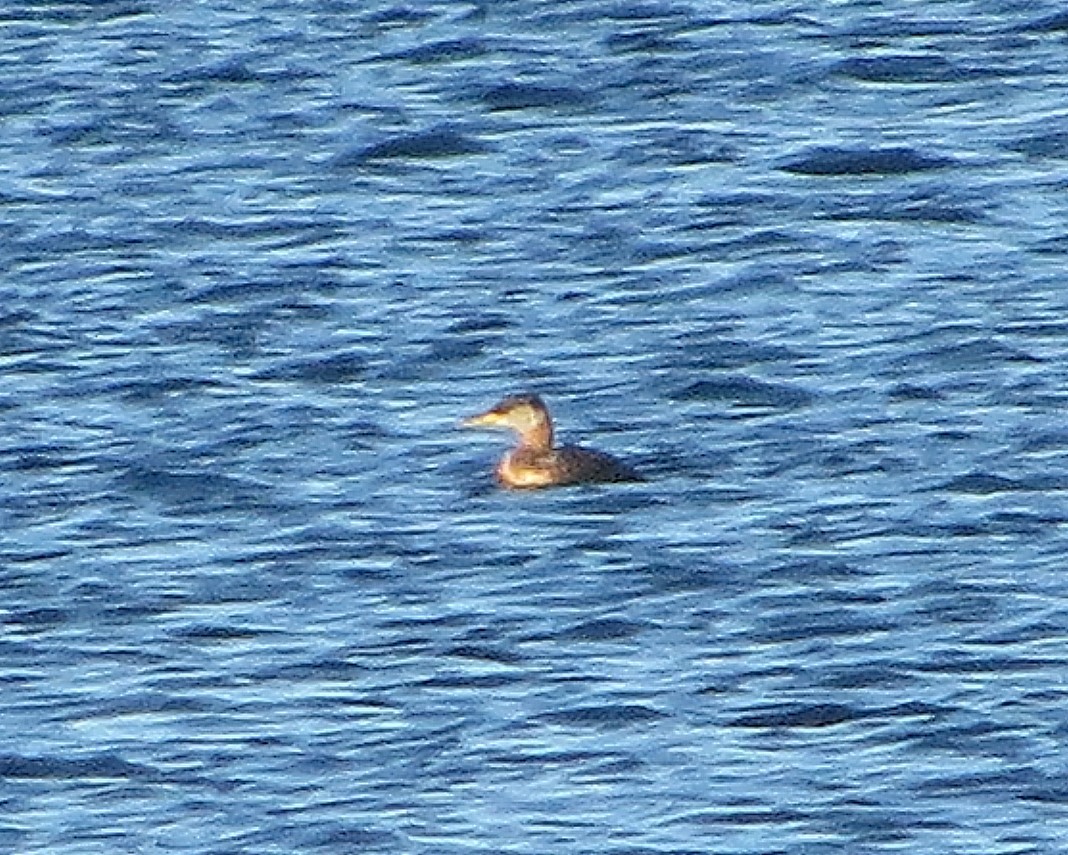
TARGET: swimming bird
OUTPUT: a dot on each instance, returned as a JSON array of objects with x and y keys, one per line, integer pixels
[{"x": 534, "y": 462}]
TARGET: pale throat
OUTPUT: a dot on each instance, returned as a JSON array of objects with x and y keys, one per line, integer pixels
[{"x": 537, "y": 437}]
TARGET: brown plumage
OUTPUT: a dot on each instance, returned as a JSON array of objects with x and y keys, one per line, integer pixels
[{"x": 534, "y": 462}]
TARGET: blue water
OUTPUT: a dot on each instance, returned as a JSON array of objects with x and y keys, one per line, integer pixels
[{"x": 803, "y": 264}]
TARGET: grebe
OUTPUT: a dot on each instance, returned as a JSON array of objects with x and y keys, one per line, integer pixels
[{"x": 534, "y": 462}]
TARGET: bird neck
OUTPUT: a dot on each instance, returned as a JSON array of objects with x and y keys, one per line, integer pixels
[{"x": 538, "y": 437}]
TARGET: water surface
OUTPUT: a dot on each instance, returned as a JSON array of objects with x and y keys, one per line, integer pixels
[{"x": 801, "y": 265}]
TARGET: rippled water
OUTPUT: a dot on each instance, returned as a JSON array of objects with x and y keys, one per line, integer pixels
[{"x": 804, "y": 265}]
